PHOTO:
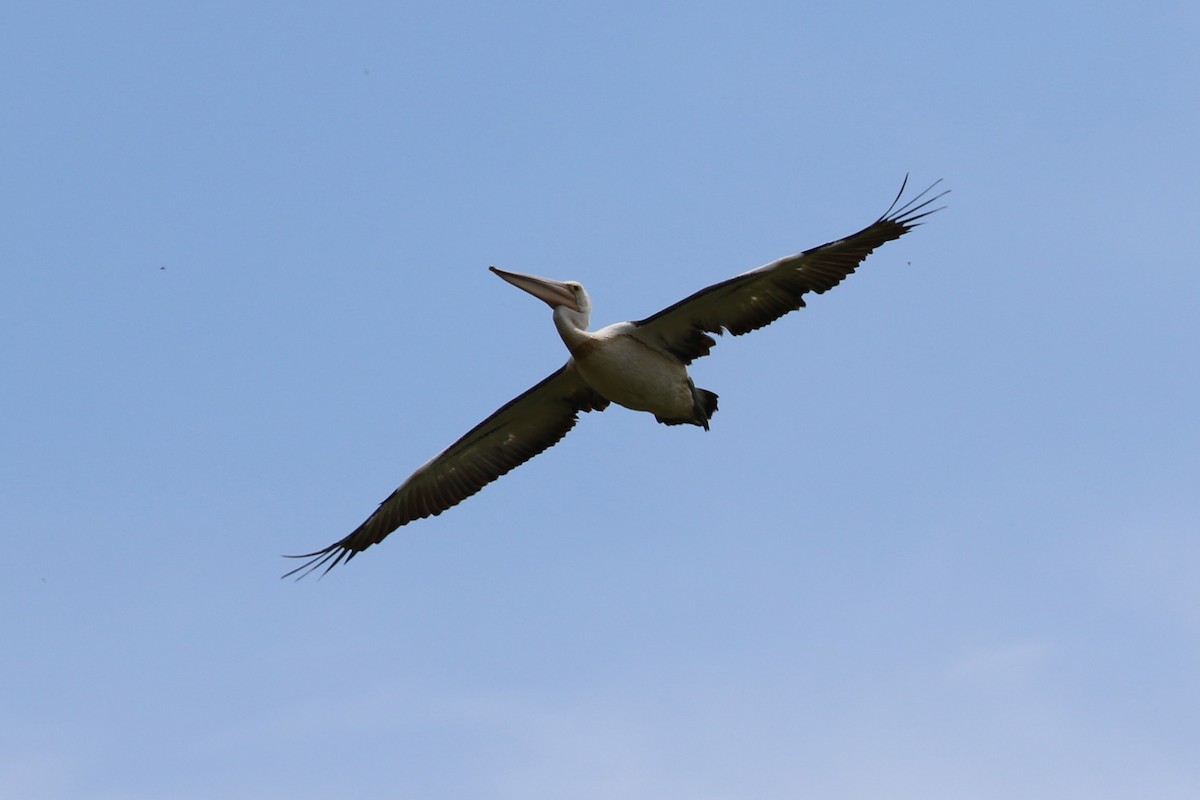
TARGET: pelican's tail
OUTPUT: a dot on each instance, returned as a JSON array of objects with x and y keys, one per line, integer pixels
[{"x": 704, "y": 405}]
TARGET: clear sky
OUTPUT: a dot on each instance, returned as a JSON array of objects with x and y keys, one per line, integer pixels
[{"x": 943, "y": 540}]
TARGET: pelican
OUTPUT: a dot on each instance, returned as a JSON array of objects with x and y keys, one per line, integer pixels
[{"x": 640, "y": 365}]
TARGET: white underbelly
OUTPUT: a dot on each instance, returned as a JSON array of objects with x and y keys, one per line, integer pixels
[{"x": 637, "y": 376}]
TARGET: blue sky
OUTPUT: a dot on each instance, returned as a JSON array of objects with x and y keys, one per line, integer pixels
[{"x": 941, "y": 541}]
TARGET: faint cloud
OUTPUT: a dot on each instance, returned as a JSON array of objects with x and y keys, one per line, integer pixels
[
  {"x": 590, "y": 749},
  {"x": 34, "y": 777},
  {"x": 1000, "y": 662}
]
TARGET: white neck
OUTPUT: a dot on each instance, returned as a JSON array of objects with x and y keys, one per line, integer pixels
[{"x": 572, "y": 326}]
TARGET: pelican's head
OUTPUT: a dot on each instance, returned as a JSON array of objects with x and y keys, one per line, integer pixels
[
  {"x": 569, "y": 294},
  {"x": 572, "y": 307}
]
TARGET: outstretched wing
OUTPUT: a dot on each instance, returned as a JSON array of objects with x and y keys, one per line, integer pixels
[
  {"x": 759, "y": 297},
  {"x": 518, "y": 431}
]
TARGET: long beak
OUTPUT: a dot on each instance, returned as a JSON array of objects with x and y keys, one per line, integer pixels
[{"x": 553, "y": 293}]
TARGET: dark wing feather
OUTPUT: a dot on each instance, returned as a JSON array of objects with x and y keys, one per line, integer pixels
[
  {"x": 761, "y": 296},
  {"x": 518, "y": 431}
]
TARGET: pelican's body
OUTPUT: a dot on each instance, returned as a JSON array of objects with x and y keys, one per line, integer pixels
[
  {"x": 634, "y": 373},
  {"x": 618, "y": 361},
  {"x": 639, "y": 365}
]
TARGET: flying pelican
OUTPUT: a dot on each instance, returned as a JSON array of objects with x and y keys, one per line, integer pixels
[{"x": 640, "y": 365}]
